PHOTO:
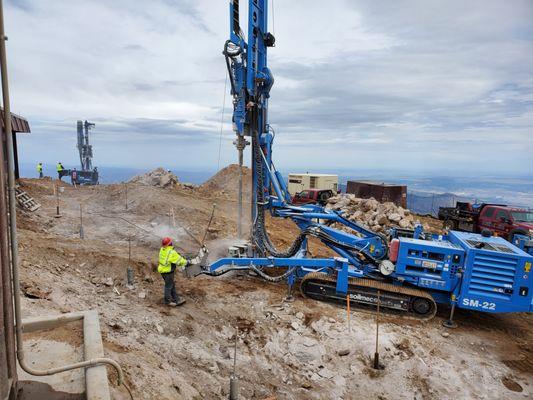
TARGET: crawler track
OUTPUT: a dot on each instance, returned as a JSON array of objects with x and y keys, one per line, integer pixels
[{"x": 363, "y": 294}]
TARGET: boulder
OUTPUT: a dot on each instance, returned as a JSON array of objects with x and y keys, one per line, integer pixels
[
  {"x": 404, "y": 223},
  {"x": 394, "y": 217},
  {"x": 358, "y": 214},
  {"x": 370, "y": 204},
  {"x": 343, "y": 202},
  {"x": 382, "y": 219},
  {"x": 334, "y": 199}
]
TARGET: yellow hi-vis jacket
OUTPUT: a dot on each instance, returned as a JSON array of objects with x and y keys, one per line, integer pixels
[
  {"x": 39, "y": 168},
  {"x": 167, "y": 257},
  {"x": 59, "y": 168}
]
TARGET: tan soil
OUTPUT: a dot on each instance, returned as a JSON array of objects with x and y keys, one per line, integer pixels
[{"x": 285, "y": 350}]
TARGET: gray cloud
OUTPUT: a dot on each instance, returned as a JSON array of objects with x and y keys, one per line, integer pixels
[{"x": 444, "y": 85}]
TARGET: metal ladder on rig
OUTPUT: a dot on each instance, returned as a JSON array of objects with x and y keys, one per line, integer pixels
[{"x": 25, "y": 200}]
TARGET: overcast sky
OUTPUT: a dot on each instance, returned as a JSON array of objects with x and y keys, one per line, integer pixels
[{"x": 396, "y": 85}]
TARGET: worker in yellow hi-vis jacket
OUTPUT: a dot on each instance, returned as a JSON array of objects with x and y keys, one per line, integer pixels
[
  {"x": 169, "y": 260},
  {"x": 60, "y": 170}
]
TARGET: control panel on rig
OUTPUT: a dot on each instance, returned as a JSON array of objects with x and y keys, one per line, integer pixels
[{"x": 429, "y": 264}]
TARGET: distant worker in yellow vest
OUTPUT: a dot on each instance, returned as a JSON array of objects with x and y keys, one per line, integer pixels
[
  {"x": 60, "y": 169},
  {"x": 169, "y": 260},
  {"x": 40, "y": 170}
]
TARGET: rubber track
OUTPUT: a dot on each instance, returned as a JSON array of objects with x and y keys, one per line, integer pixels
[{"x": 381, "y": 286}]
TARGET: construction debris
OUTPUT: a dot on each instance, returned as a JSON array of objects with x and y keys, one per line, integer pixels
[{"x": 25, "y": 201}]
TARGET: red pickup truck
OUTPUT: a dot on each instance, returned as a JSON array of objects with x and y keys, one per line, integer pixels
[
  {"x": 312, "y": 196},
  {"x": 501, "y": 220}
]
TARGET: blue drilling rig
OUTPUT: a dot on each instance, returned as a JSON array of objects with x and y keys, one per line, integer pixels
[
  {"x": 87, "y": 175},
  {"x": 464, "y": 270}
]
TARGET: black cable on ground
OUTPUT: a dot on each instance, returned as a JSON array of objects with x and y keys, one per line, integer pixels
[{"x": 128, "y": 389}]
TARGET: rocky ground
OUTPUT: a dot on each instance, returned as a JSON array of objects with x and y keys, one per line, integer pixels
[{"x": 285, "y": 350}]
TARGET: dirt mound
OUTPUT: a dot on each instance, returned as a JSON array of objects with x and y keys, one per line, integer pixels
[
  {"x": 227, "y": 180},
  {"x": 44, "y": 186},
  {"x": 159, "y": 177}
]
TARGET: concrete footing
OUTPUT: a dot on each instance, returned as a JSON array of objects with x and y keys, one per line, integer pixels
[{"x": 96, "y": 382}]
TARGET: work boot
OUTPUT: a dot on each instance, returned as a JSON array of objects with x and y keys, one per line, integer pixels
[
  {"x": 171, "y": 304},
  {"x": 180, "y": 301}
]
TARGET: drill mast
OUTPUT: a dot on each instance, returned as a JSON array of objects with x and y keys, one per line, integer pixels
[{"x": 84, "y": 148}]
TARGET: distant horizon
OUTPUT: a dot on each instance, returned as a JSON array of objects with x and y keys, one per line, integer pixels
[
  {"x": 516, "y": 190},
  {"x": 421, "y": 173}
]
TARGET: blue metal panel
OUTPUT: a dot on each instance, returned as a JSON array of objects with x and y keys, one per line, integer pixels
[
  {"x": 429, "y": 264},
  {"x": 497, "y": 275}
]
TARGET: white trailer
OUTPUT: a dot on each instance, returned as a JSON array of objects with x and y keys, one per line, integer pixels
[{"x": 299, "y": 182}]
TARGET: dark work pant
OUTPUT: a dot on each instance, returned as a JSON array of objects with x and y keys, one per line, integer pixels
[
  {"x": 170, "y": 288},
  {"x": 40, "y": 174}
]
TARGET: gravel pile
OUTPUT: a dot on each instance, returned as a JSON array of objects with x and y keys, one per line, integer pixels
[
  {"x": 371, "y": 213},
  {"x": 159, "y": 177}
]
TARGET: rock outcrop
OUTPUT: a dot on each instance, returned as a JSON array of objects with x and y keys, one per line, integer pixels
[{"x": 159, "y": 177}]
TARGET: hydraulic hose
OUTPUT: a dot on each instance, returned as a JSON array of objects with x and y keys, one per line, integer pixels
[
  {"x": 254, "y": 268},
  {"x": 260, "y": 234},
  {"x": 229, "y": 55},
  {"x": 272, "y": 278}
]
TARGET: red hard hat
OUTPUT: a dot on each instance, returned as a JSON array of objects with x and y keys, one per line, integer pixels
[{"x": 166, "y": 241}]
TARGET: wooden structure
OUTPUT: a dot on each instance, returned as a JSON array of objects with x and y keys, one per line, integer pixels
[{"x": 19, "y": 125}]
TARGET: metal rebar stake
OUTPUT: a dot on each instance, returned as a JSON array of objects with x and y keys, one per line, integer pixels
[
  {"x": 129, "y": 270},
  {"x": 348, "y": 313},
  {"x": 56, "y": 189},
  {"x": 376, "y": 353},
  {"x": 81, "y": 222},
  {"x": 233, "y": 381}
]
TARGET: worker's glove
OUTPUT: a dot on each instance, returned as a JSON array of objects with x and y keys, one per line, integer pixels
[
  {"x": 202, "y": 255},
  {"x": 195, "y": 260},
  {"x": 199, "y": 257},
  {"x": 203, "y": 251}
]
